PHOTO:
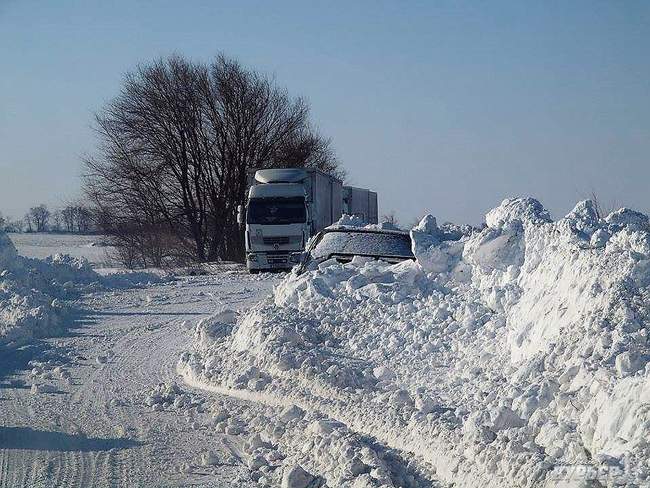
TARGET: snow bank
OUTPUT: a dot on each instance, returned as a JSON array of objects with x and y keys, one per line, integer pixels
[
  {"x": 30, "y": 292},
  {"x": 356, "y": 221},
  {"x": 350, "y": 221},
  {"x": 33, "y": 292},
  {"x": 513, "y": 355}
]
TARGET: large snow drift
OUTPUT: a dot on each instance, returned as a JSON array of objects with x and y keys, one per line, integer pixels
[
  {"x": 516, "y": 355},
  {"x": 33, "y": 292}
]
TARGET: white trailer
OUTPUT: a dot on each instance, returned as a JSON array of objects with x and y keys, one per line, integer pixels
[
  {"x": 361, "y": 203},
  {"x": 285, "y": 208}
]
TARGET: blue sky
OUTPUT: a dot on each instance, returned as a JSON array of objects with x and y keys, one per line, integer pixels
[{"x": 443, "y": 107}]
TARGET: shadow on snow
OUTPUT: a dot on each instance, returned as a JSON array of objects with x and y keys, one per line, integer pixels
[{"x": 42, "y": 440}]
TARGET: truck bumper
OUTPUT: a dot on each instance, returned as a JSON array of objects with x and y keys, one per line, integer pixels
[{"x": 261, "y": 261}]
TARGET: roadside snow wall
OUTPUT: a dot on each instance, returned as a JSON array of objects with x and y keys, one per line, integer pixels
[
  {"x": 516, "y": 355},
  {"x": 33, "y": 292}
]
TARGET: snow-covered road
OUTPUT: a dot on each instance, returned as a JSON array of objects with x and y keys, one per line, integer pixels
[{"x": 95, "y": 429}]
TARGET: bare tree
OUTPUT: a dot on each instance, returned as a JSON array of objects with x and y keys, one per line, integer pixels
[
  {"x": 56, "y": 219},
  {"x": 28, "y": 223},
  {"x": 39, "y": 216},
  {"x": 84, "y": 219},
  {"x": 68, "y": 218},
  {"x": 76, "y": 217},
  {"x": 176, "y": 148}
]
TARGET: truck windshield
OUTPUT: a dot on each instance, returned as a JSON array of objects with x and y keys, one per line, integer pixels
[{"x": 276, "y": 211}]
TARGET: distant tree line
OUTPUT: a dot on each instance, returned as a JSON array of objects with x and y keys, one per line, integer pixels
[
  {"x": 72, "y": 218},
  {"x": 10, "y": 225},
  {"x": 176, "y": 148}
]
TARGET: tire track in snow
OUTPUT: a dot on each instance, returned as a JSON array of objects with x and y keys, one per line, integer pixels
[
  {"x": 145, "y": 341},
  {"x": 355, "y": 425},
  {"x": 4, "y": 471}
]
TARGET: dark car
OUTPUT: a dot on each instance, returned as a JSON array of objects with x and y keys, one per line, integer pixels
[{"x": 344, "y": 243}]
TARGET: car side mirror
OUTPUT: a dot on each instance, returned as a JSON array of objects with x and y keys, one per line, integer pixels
[{"x": 240, "y": 214}]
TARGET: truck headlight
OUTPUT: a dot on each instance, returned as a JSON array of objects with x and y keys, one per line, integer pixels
[{"x": 252, "y": 257}]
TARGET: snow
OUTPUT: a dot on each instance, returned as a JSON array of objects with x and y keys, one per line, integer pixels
[
  {"x": 350, "y": 221},
  {"x": 33, "y": 292},
  {"x": 296, "y": 477},
  {"x": 385, "y": 244},
  {"x": 30, "y": 292},
  {"x": 75, "y": 406},
  {"x": 512, "y": 355},
  {"x": 93, "y": 248},
  {"x": 169, "y": 396},
  {"x": 498, "y": 358}
]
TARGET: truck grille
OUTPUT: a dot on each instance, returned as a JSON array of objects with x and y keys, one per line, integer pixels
[
  {"x": 277, "y": 260},
  {"x": 272, "y": 241}
]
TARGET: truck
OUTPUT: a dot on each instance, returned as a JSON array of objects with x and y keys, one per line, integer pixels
[
  {"x": 361, "y": 203},
  {"x": 285, "y": 207}
]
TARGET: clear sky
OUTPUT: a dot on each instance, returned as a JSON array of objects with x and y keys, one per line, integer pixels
[{"x": 444, "y": 107}]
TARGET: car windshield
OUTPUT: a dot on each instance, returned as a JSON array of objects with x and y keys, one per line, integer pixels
[
  {"x": 355, "y": 243},
  {"x": 276, "y": 211}
]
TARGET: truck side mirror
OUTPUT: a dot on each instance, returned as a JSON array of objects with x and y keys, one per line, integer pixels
[{"x": 240, "y": 214}]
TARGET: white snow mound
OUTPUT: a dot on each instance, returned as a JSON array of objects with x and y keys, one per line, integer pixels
[
  {"x": 513, "y": 355},
  {"x": 33, "y": 292}
]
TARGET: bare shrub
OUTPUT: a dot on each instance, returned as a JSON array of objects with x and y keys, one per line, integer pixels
[{"x": 601, "y": 209}]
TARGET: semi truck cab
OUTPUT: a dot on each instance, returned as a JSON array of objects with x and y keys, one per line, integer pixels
[
  {"x": 284, "y": 208},
  {"x": 277, "y": 226},
  {"x": 287, "y": 206}
]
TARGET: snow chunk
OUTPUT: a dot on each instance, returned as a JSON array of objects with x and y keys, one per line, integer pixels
[
  {"x": 296, "y": 477},
  {"x": 427, "y": 225},
  {"x": 513, "y": 211},
  {"x": 216, "y": 327},
  {"x": 382, "y": 373},
  {"x": 629, "y": 363},
  {"x": 627, "y": 217},
  {"x": 584, "y": 213},
  {"x": 349, "y": 221},
  {"x": 290, "y": 413},
  {"x": 504, "y": 418},
  {"x": 436, "y": 250}
]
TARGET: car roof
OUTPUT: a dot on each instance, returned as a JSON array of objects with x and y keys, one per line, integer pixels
[
  {"x": 358, "y": 230},
  {"x": 350, "y": 228}
]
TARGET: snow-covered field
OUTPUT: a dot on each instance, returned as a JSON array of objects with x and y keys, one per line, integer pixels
[
  {"x": 510, "y": 356},
  {"x": 90, "y": 247}
]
